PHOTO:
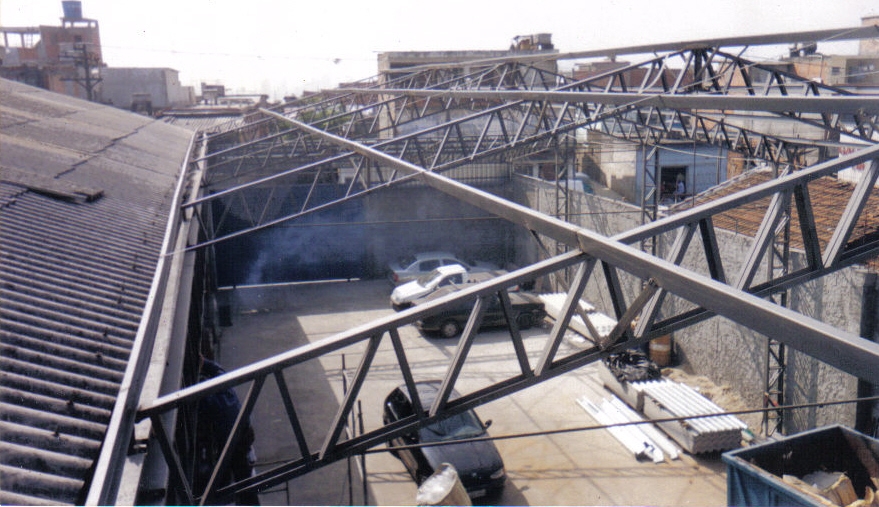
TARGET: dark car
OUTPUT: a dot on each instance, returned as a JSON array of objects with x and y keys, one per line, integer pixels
[
  {"x": 479, "y": 465},
  {"x": 528, "y": 310}
]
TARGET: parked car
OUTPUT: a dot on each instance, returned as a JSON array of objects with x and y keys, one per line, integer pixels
[
  {"x": 454, "y": 275},
  {"x": 528, "y": 310},
  {"x": 412, "y": 266},
  {"x": 479, "y": 464}
]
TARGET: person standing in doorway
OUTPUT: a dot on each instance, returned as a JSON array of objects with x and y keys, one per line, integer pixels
[{"x": 680, "y": 189}]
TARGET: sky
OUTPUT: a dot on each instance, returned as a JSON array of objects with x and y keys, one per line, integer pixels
[{"x": 284, "y": 47}]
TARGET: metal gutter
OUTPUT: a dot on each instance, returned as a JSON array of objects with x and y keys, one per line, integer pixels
[{"x": 107, "y": 475}]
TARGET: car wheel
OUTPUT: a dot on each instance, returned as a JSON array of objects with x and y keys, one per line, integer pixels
[
  {"x": 450, "y": 328},
  {"x": 525, "y": 320}
]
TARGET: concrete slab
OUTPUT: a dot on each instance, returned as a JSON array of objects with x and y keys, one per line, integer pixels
[{"x": 573, "y": 468}]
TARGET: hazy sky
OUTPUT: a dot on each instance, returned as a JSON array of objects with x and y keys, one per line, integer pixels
[{"x": 280, "y": 47}]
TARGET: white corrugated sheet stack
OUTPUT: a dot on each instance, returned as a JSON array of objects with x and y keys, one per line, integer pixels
[
  {"x": 602, "y": 323},
  {"x": 664, "y": 399},
  {"x": 668, "y": 399}
]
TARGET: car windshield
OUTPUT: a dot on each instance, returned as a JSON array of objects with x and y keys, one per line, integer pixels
[
  {"x": 424, "y": 279},
  {"x": 456, "y": 427}
]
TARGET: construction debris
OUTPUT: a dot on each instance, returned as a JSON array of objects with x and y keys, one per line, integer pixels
[{"x": 833, "y": 489}]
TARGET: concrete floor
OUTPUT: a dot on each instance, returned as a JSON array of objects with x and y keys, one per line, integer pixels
[{"x": 578, "y": 468}]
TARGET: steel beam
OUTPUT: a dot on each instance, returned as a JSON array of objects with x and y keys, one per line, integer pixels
[{"x": 848, "y": 104}]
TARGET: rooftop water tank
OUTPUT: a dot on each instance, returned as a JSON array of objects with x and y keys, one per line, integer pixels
[{"x": 72, "y": 9}]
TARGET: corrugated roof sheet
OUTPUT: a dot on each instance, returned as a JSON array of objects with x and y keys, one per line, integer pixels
[{"x": 74, "y": 277}]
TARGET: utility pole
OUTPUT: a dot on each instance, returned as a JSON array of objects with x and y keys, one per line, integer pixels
[{"x": 83, "y": 59}]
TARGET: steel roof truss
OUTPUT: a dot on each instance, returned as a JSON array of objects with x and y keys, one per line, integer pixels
[
  {"x": 808, "y": 229},
  {"x": 723, "y": 299},
  {"x": 571, "y": 305},
  {"x": 340, "y": 420},
  {"x": 651, "y": 309},
  {"x": 465, "y": 343},
  {"x": 223, "y": 461},
  {"x": 633, "y": 131},
  {"x": 292, "y": 416},
  {"x": 673, "y": 279},
  {"x": 854, "y": 207}
]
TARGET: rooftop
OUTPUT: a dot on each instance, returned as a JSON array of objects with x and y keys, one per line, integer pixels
[{"x": 85, "y": 191}]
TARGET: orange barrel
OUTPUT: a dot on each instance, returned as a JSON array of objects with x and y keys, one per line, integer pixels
[{"x": 660, "y": 350}]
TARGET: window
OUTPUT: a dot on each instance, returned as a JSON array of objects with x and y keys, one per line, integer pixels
[
  {"x": 449, "y": 262},
  {"x": 429, "y": 265}
]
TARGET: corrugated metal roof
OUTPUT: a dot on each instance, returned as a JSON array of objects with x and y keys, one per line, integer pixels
[{"x": 74, "y": 277}]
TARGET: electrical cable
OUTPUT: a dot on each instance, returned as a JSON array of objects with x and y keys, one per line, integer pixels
[
  {"x": 630, "y": 423},
  {"x": 602, "y": 426}
]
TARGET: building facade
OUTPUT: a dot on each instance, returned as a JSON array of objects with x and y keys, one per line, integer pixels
[
  {"x": 64, "y": 59},
  {"x": 142, "y": 88}
]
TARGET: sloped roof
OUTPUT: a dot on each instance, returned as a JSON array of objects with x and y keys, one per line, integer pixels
[
  {"x": 85, "y": 194},
  {"x": 828, "y": 197}
]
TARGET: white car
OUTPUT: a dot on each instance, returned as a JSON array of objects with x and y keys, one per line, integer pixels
[
  {"x": 403, "y": 295},
  {"x": 411, "y": 267}
]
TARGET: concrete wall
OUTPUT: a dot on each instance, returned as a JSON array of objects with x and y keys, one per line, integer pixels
[
  {"x": 355, "y": 239},
  {"x": 163, "y": 86},
  {"x": 415, "y": 219},
  {"x": 728, "y": 353},
  {"x": 618, "y": 160}
]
